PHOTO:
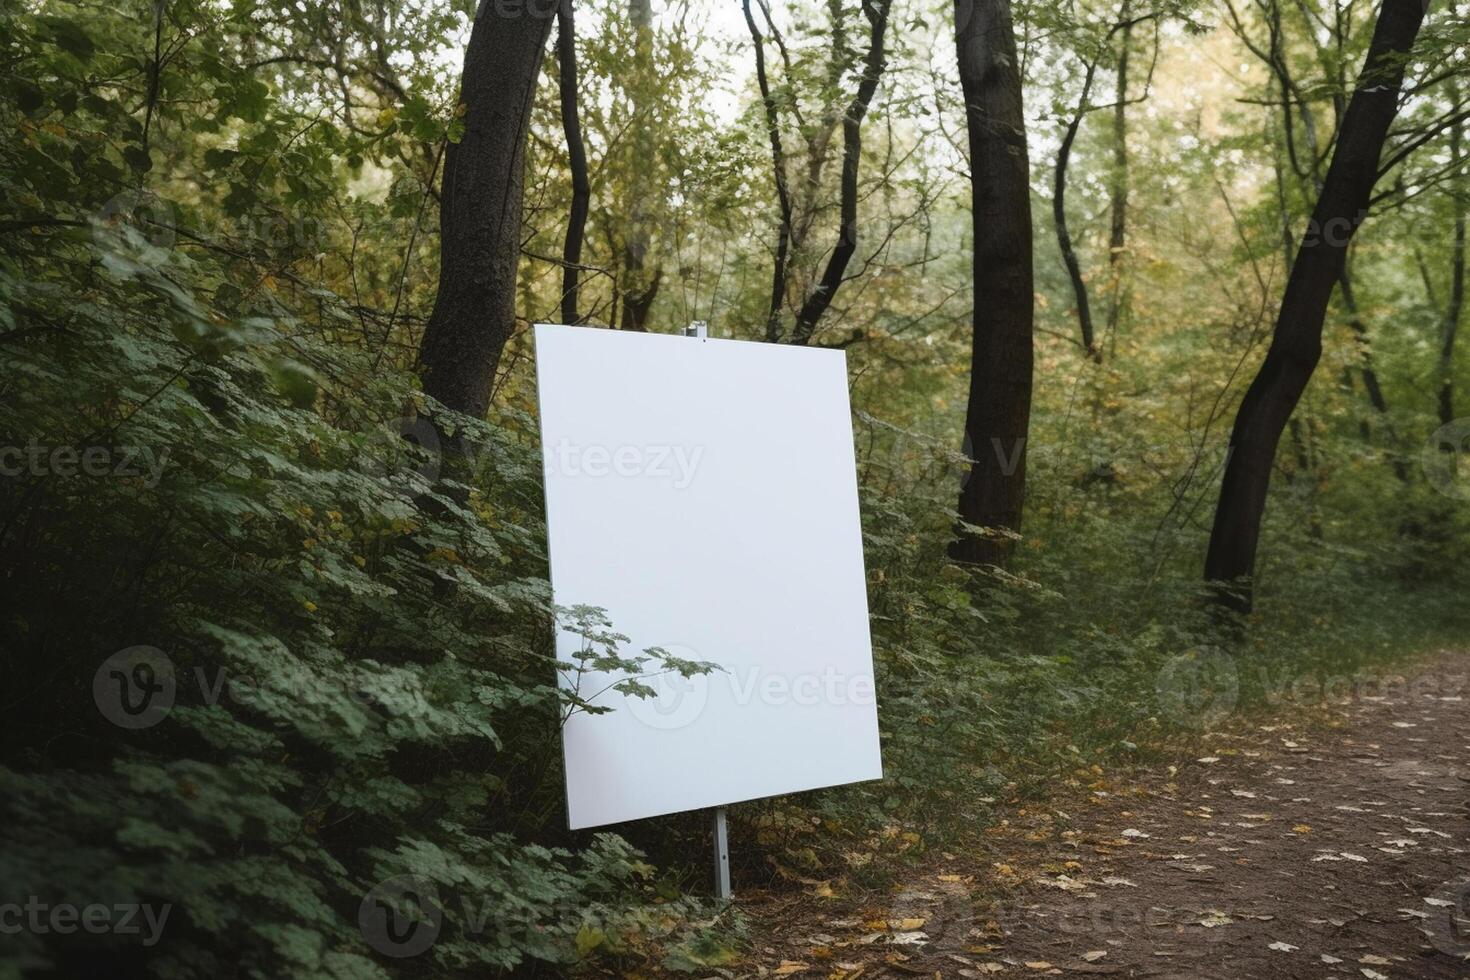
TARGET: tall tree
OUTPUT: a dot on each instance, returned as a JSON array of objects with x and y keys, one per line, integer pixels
[
  {"x": 1456, "y": 306},
  {"x": 1119, "y": 179},
  {"x": 801, "y": 202},
  {"x": 835, "y": 274},
  {"x": 999, "y": 412},
  {"x": 1059, "y": 215},
  {"x": 778, "y": 165},
  {"x": 1326, "y": 40},
  {"x": 1118, "y": 182},
  {"x": 1296, "y": 344},
  {"x": 571, "y": 121},
  {"x": 640, "y": 285},
  {"x": 480, "y": 208}
]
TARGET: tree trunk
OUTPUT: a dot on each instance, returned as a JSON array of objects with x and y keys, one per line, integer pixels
[
  {"x": 1296, "y": 345},
  {"x": 638, "y": 302},
  {"x": 1371, "y": 386},
  {"x": 1118, "y": 187},
  {"x": 778, "y": 166},
  {"x": 480, "y": 210},
  {"x": 999, "y": 412},
  {"x": 640, "y": 287},
  {"x": 1118, "y": 192},
  {"x": 834, "y": 275},
  {"x": 1059, "y": 216},
  {"x": 1457, "y": 281},
  {"x": 571, "y": 122},
  {"x": 1365, "y": 347}
]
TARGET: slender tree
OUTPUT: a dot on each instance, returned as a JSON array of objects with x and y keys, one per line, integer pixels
[
  {"x": 835, "y": 274},
  {"x": 571, "y": 121},
  {"x": 1118, "y": 184},
  {"x": 999, "y": 411},
  {"x": 480, "y": 207},
  {"x": 1456, "y": 305},
  {"x": 1059, "y": 216},
  {"x": 1308, "y": 156},
  {"x": 1296, "y": 344},
  {"x": 779, "y": 168},
  {"x": 640, "y": 286}
]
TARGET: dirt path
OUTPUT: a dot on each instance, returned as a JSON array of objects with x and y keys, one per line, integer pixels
[{"x": 1296, "y": 849}]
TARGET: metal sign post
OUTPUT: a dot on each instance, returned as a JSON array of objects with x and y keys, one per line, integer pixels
[
  {"x": 699, "y": 329},
  {"x": 722, "y": 855}
]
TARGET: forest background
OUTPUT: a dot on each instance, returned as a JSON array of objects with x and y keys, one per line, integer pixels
[{"x": 246, "y": 429}]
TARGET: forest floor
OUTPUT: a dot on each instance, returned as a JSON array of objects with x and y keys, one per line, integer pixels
[{"x": 1323, "y": 843}]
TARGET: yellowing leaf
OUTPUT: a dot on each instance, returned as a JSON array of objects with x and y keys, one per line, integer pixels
[{"x": 588, "y": 939}]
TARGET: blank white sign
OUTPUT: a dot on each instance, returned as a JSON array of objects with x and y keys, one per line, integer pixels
[{"x": 704, "y": 493}]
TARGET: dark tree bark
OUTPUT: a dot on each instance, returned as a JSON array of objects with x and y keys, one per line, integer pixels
[
  {"x": 1118, "y": 190},
  {"x": 1296, "y": 345},
  {"x": 1457, "y": 283},
  {"x": 833, "y": 276},
  {"x": 1118, "y": 187},
  {"x": 999, "y": 412},
  {"x": 1371, "y": 385},
  {"x": 638, "y": 302},
  {"x": 640, "y": 287},
  {"x": 571, "y": 122},
  {"x": 480, "y": 209},
  {"x": 783, "y": 193},
  {"x": 1118, "y": 184},
  {"x": 1059, "y": 217}
]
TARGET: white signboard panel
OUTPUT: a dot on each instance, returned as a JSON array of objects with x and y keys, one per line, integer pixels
[{"x": 704, "y": 493}]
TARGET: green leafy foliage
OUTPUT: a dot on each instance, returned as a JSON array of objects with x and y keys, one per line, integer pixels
[
  {"x": 360, "y": 649},
  {"x": 216, "y": 262}
]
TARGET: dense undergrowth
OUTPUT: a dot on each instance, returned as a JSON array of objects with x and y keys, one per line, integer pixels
[
  {"x": 359, "y": 633},
  {"x": 214, "y": 467}
]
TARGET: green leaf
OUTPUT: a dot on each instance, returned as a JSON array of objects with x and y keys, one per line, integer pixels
[{"x": 70, "y": 37}]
